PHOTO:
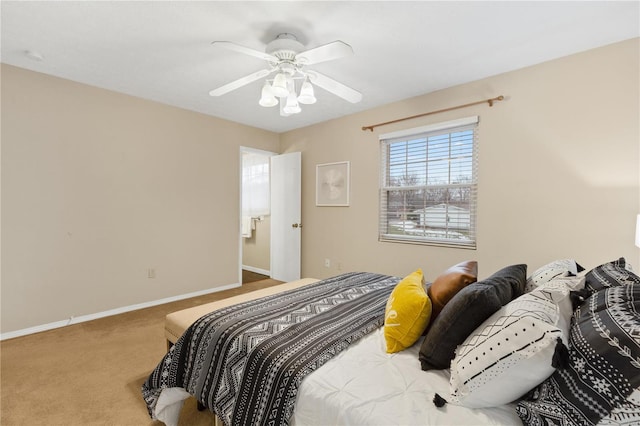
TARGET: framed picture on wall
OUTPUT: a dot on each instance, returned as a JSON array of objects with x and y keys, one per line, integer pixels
[{"x": 332, "y": 184}]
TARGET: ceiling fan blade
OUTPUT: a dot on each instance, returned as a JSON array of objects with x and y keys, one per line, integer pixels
[
  {"x": 246, "y": 50},
  {"x": 240, "y": 82},
  {"x": 327, "y": 52},
  {"x": 334, "y": 87}
]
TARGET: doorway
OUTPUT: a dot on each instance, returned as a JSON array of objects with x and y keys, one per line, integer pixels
[
  {"x": 250, "y": 277},
  {"x": 255, "y": 215},
  {"x": 270, "y": 243}
]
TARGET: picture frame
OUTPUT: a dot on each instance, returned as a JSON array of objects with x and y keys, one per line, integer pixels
[{"x": 332, "y": 184}]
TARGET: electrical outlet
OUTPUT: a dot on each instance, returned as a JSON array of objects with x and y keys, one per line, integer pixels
[
  {"x": 327, "y": 263},
  {"x": 339, "y": 267},
  {"x": 151, "y": 273}
]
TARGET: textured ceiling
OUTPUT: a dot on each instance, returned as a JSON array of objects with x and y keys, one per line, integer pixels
[{"x": 161, "y": 50}]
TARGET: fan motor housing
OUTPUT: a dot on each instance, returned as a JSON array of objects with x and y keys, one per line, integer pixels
[{"x": 284, "y": 47}]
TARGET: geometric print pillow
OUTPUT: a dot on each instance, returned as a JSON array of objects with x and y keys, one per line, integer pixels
[
  {"x": 610, "y": 274},
  {"x": 512, "y": 351},
  {"x": 557, "y": 268},
  {"x": 601, "y": 384},
  {"x": 627, "y": 413}
]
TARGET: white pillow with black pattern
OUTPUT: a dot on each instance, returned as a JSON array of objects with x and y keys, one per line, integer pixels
[
  {"x": 514, "y": 350},
  {"x": 601, "y": 381},
  {"x": 574, "y": 282},
  {"x": 557, "y": 268}
]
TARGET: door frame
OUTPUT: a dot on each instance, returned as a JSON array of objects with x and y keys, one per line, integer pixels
[{"x": 240, "y": 241}]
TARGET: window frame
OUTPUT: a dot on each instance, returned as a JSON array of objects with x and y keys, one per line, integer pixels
[{"x": 430, "y": 131}]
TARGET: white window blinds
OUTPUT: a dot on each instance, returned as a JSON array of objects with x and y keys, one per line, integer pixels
[{"x": 428, "y": 188}]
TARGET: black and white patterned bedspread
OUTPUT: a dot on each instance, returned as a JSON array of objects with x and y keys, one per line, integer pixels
[{"x": 245, "y": 362}]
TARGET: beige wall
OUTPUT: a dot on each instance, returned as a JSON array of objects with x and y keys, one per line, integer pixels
[
  {"x": 98, "y": 187},
  {"x": 558, "y": 170},
  {"x": 256, "y": 251}
]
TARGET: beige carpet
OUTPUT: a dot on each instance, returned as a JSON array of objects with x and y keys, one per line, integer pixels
[{"x": 91, "y": 373}]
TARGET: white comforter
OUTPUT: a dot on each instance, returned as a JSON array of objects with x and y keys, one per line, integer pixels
[{"x": 366, "y": 386}]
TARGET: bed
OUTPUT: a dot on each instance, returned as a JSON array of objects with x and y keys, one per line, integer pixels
[{"x": 334, "y": 366}]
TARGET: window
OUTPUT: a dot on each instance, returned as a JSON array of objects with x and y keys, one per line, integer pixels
[
  {"x": 255, "y": 184},
  {"x": 428, "y": 184}
]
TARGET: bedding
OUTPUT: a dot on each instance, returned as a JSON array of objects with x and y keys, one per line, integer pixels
[
  {"x": 595, "y": 326},
  {"x": 552, "y": 270},
  {"x": 513, "y": 351},
  {"x": 245, "y": 362},
  {"x": 366, "y": 386},
  {"x": 602, "y": 382},
  {"x": 469, "y": 308},
  {"x": 449, "y": 283},
  {"x": 176, "y": 323},
  {"x": 407, "y": 313}
]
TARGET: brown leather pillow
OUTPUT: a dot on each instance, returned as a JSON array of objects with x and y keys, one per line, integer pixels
[{"x": 449, "y": 283}]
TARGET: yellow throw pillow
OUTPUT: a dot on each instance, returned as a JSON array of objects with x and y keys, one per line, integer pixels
[{"x": 407, "y": 314}]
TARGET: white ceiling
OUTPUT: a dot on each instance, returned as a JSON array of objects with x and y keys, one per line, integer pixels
[{"x": 161, "y": 50}]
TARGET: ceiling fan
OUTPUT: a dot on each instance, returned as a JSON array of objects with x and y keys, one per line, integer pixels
[{"x": 286, "y": 57}]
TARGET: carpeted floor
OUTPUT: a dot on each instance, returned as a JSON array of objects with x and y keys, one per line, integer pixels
[{"x": 91, "y": 373}]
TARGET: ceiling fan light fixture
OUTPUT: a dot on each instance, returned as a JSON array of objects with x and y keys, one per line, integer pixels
[
  {"x": 282, "y": 113},
  {"x": 267, "y": 99},
  {"x": 287, "y": 60},
  {"x": 279, "y": 86},
  {"x": 307, "y": 95},
  {"x": 292, "y": 106}
]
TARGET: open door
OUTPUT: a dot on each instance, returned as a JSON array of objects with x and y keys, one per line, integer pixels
[{"x": 285, "y": 216}]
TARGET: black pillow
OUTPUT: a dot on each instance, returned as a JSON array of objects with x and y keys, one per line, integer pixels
[
  {"x": 610, "y": 274},
  {"x": 604, "y": 361},
  {"x": 469, "y": 308}
]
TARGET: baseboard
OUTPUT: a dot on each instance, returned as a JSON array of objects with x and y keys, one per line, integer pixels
[
  {"x": 257, "y": 270},
  {"x": 89, "y": 317}
]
